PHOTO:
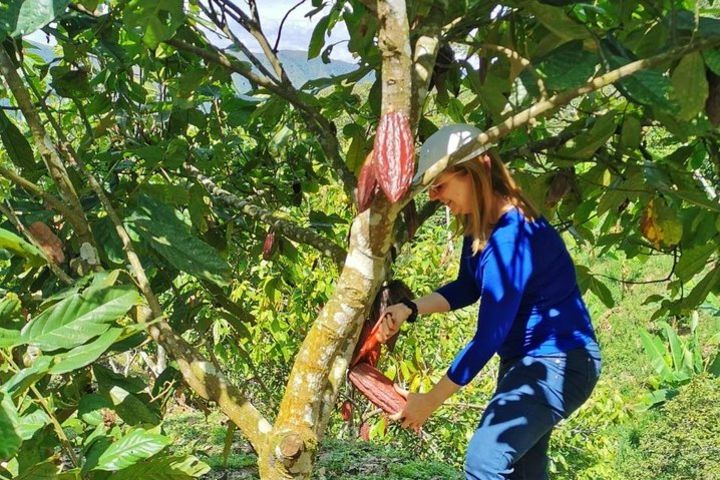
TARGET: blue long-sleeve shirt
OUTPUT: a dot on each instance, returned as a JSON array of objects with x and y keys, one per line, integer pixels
[{"x": 530, "y": 303}]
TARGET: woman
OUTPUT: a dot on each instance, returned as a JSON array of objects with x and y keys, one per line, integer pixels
[{"x": 531, "y": 314}]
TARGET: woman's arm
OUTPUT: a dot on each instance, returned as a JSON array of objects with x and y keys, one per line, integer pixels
[{"x": 431, "y": 303}]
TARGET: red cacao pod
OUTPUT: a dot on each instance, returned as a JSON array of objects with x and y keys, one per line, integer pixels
[
  {"x": 346, "y": 410},
  {"x": 268, "y": 245},
  {"x": 560, "y": 185},
  {"x": 50, "y": 243},
  {"x": 367, "y": 184},
  {"x": 376, "y": 387},
  {"x": 369, "y": 345},
  {"x": 394, "y": 155},
  {"x": 364, "y": 431}
]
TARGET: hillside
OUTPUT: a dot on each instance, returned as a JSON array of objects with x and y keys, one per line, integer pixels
[{"x": 299, "y": 69}]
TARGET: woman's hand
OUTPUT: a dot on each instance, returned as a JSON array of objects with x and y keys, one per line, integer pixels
[
  {"x": 393, "y": 318},
  {"x": 418, "y": 409}
]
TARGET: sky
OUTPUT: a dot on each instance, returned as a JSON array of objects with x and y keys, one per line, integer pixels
[{"x": 296, "y": 32}]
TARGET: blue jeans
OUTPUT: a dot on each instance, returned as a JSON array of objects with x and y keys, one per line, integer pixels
[{"x": 532, "y": 396}]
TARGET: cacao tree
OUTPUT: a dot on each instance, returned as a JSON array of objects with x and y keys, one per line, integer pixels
[{"x": 150, "y": 208}]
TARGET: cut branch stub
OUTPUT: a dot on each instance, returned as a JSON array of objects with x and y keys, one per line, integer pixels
[
  {"x": 367, "y": 184},
  {"x": 394, "y": 155}
]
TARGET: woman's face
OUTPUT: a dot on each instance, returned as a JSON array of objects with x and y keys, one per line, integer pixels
[{"x": 454, "y": 190}]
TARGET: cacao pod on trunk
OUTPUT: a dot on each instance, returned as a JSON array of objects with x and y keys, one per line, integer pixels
[
  {"x": 394, "y": 155},
  {"x": 411, "y": 218},
  {"x": 367, "y": 184}
]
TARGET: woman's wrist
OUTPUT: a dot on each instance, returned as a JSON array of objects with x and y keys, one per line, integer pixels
[{"x": 412, "y": 309}]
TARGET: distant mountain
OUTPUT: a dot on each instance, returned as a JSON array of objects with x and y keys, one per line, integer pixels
[{"x": 299, "y": 69}]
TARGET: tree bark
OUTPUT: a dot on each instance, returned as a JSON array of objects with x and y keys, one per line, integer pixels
[{"x": 322, "y": 362}]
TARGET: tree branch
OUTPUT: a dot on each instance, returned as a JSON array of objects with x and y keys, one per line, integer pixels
[
  {"x": 323, "y": 129},
  {"x": 201, "y": 375},
  {"x": 59, "y": 272},
  {"x": 289, "y": 229},
  {"x": 35, "y": 190},
  {"x": 514, "y": 56},
  {"x": 282, "y": 23},
  {"x": 424, "y": 58},
  {"x": 48, "y": 152},
  {"x": 223, "y": 25},
  {"x": 499, "y": 131},
  {"x": 253, "y": 28}
]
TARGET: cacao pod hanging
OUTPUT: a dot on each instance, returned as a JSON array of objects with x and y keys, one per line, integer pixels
[
  {"x": 49, "y": 242},
  {"x": 367, "y": 184},
  {"x": 268, "y": 245},
  {"x": 377, "y": 388},
  {"x": 394, "y": 155},
  {"x": 346, "y": 410},
  {"x": 364, "y": 431}
]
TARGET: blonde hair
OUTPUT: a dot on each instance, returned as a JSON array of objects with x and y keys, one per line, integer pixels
[{"x": 488, "y": 176}]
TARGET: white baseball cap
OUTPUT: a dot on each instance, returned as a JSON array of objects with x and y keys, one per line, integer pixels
[{"x": 442, "y": 143}]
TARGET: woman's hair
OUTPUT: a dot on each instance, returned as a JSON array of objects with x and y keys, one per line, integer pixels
[{"x": 488, "y": 176}]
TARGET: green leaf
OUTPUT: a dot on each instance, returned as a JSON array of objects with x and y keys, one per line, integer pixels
[
  {"x": 42, "y": 471},
  {"x": 555, "y": 20},
  {"x": 676, "y": 347},
  {"x": 124, "y": 393},
  {"x": 79, "y": 318},
  {"x": 690, "y": 86},
  {"x": 646, "y": 87},
  {"x": 130, "y": 449},
  {"x": 712, "y": 60},
  {"x": 567, "y": 66},
  {"x": 90, "y": 408},
  {"x": 22, "y": 380},
  {"x": 631, "y": 133},
  {"x": 703, "y": 288},
  {"x": 31, "y": 423},
  {"x": 170, "y": 237},
  {"x": 84, "y": 355},
  {"x": 586, "y": 144},
  {"x": 70, "y": 83},
  {"x": 10, "y": 310},
  {"x": 21, "y": 17},
  {"x": 714, "y": 367},
  {"x": 693, "y": 260},
  {"x": 9, "y": 439},
  {"x": 10, "y": 241},
  {"x": 18, "y": 148},
  {"x": 157, "y": 20},
  {"x": 164, "y": 468},
  {"x": 9, "y": 338},
  {"x": 656, "y": 352},
  {"x": 602, "y": 292},
  {"x": 317, "y": 40}
]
